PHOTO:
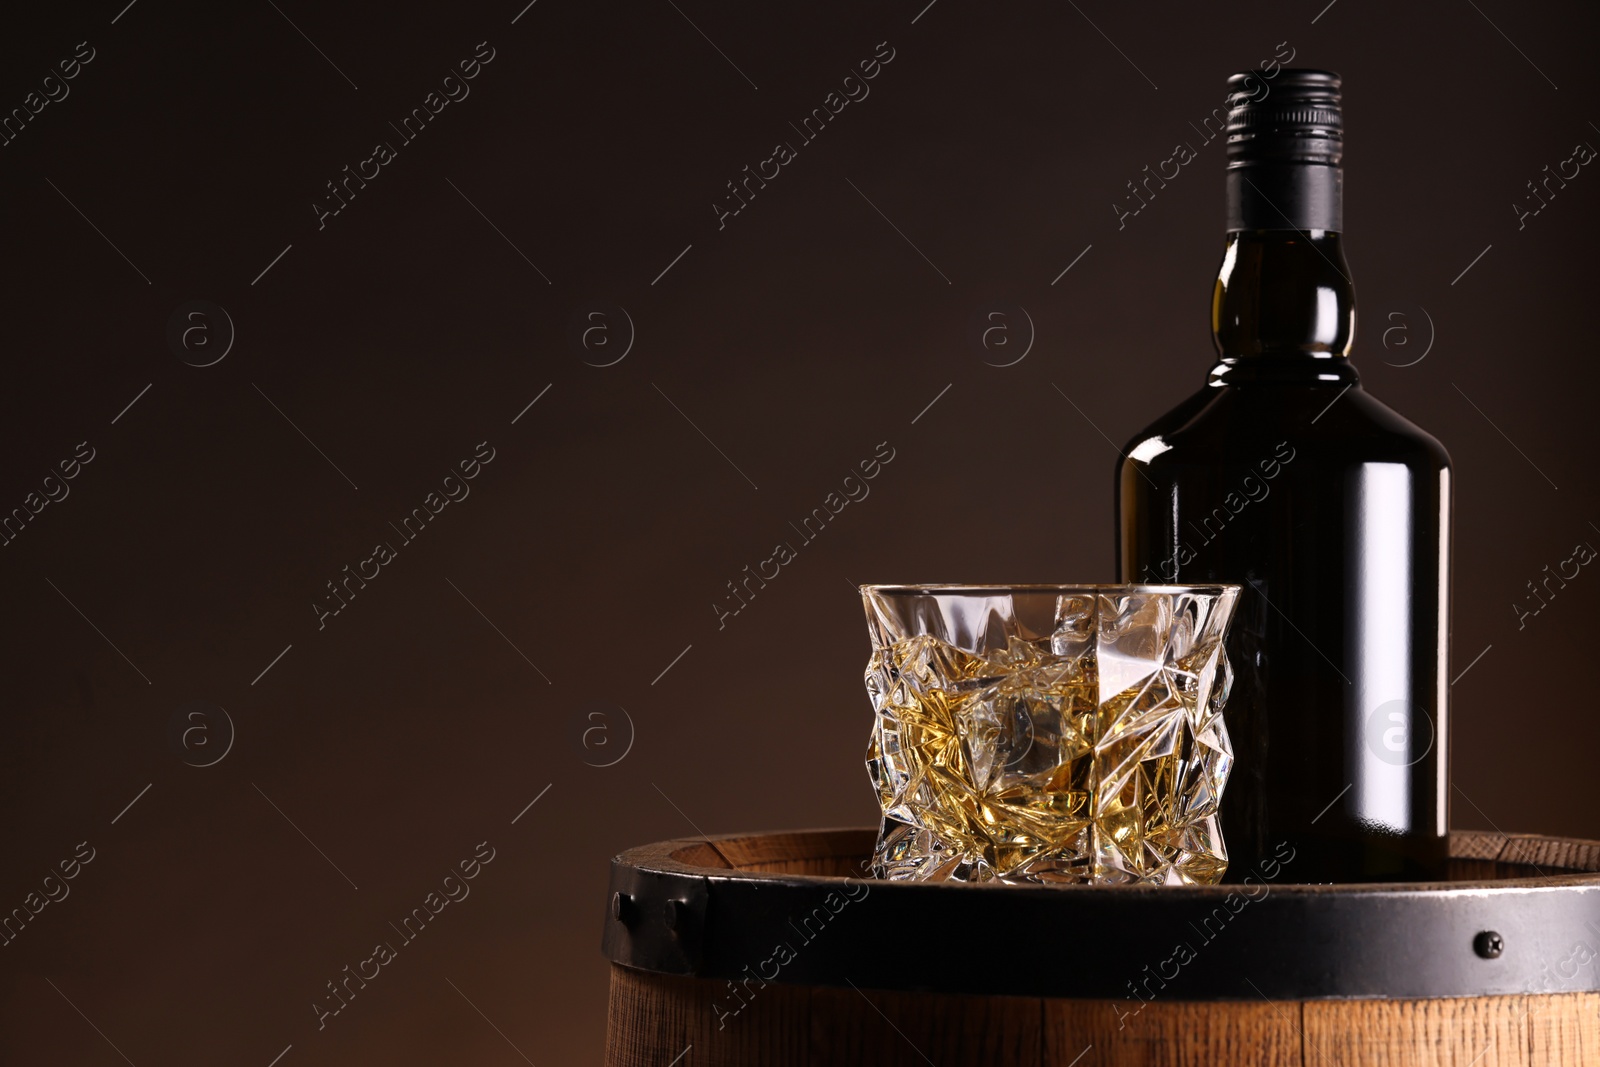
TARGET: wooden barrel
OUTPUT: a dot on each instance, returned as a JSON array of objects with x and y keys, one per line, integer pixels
[{"x": 773, "y": 950}]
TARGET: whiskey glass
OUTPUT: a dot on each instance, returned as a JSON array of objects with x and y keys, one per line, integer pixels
[{"x": 1049, "y": 733}]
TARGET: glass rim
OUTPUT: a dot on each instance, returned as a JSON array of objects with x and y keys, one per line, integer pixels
[{"x": 958, "y": 589}]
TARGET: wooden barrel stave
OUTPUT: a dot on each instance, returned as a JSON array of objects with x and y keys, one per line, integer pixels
[{"x": 654, "y": 1018}]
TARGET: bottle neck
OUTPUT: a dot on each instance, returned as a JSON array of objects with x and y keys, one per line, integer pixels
[{"x": 1283, "y": 307}]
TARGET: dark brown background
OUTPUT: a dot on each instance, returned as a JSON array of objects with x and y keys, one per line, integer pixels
[{"x": 797, "y": 339}]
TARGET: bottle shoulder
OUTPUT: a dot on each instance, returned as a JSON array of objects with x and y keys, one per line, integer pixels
[
  {"x": 1155, "y": 435},
  {"x": 1378, "y": 420},
  {"x": 1338, "y": 425}
]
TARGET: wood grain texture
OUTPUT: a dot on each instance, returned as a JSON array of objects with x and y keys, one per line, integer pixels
[
  {"x": 1530, "y": 1031},
  {"x": 1476, "y": 844},
  {"x": 655, "y": 1018},
  {"x": 872, "y": 1028},
  {"x": 1551, "y": 853},
  {"x": 1483, "y": 1031},
  {"x": 1564, "y": 1029},
  {"x": 1131, "y": 1033},
  {"x": 843, "y": 852},
  {"x": 763, "y": 852}
]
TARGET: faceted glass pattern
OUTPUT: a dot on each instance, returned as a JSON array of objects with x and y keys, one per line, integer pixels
[{"x": 1049, "y": 734}]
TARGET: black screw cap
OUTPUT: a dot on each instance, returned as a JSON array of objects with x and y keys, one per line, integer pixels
[{"x": 1295, "y": 117}]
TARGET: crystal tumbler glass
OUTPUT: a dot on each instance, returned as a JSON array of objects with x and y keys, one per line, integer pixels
[{"x": 1049, "y": 734}]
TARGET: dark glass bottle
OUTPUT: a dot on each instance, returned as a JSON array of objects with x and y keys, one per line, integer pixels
[{"x": 1283, "y": 475}]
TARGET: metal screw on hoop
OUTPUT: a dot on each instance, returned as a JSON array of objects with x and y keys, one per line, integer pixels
[{"x": 1489, "y": 944}]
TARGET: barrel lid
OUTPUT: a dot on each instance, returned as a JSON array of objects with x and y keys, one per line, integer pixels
[{"x": 1521, "y": 915}]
